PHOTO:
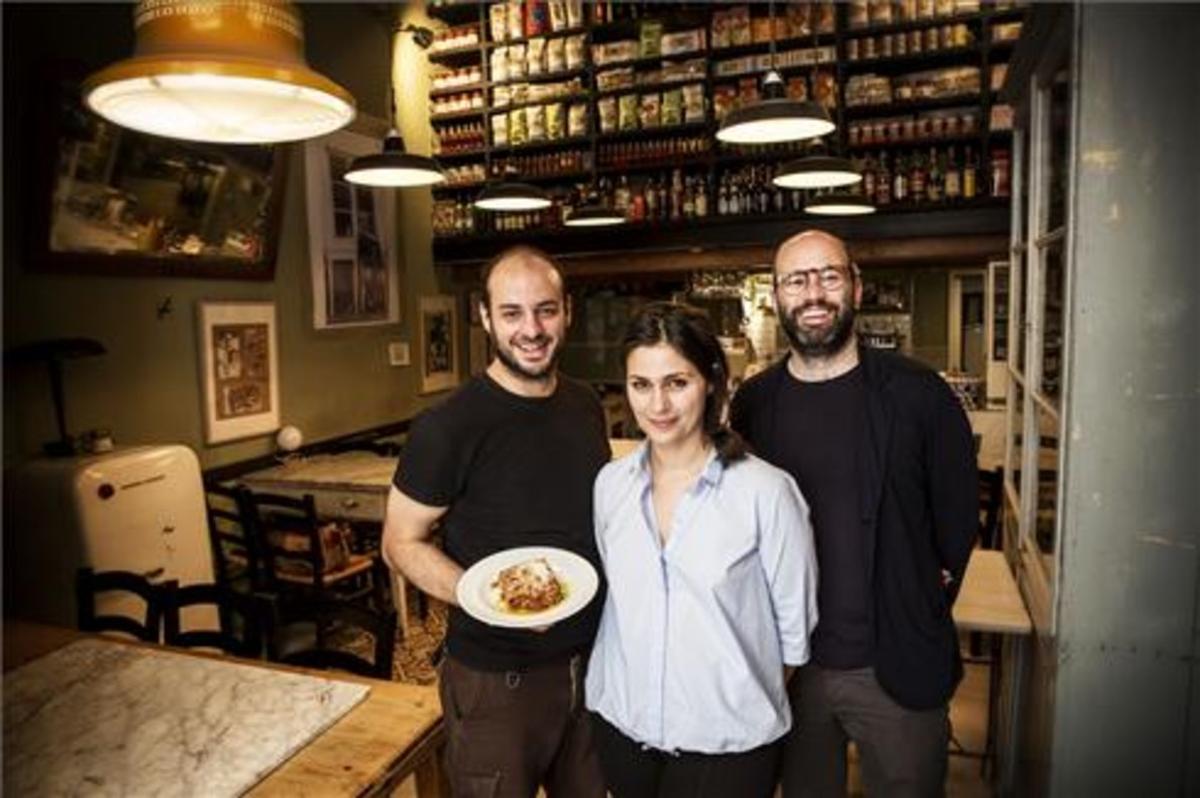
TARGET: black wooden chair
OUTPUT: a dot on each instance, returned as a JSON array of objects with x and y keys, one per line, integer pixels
[
  {"x": 237, "y": 559},
  {"x": 329, "y": 634},
  {"x": 304, "y": 556},
  {"x": 90, "y": 585},
  {"x": 241, "y": 618}
]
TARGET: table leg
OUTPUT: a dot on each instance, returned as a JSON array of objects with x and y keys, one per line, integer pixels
[
  {"x": 400, "y": 600},
  {"x": 1008, "y": 762}
]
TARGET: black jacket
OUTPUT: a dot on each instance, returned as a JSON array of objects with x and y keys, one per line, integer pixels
[{"x": 920, "y": 512}]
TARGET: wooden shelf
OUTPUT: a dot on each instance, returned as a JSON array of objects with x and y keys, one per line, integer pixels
[
  {"x": 456, "y": 115},
  {"x": 908, "y": 106}
]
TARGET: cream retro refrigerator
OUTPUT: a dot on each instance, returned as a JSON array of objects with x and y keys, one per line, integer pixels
[{"x": 138, "y": 509}]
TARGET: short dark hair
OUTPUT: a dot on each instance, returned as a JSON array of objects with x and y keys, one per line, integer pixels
[
  {"x": 689, "y": 332},
  {"x": 518, "y": 251}
]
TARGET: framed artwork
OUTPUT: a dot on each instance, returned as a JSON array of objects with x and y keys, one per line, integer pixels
[
  {"x": 439, "y": 343},
  {"x": 239, "y": 362},
  {"x": 352, "y": 231},
  {"x": 108, "y": 200}
]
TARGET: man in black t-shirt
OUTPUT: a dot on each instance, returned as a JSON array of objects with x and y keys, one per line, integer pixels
[
  {"x": 883, "y": 452},
  {"x": 508, "y": 460}
]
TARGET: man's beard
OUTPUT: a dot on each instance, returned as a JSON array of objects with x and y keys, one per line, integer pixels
[
  {"x": 505, "y": 356},
  {"x": 819, "y": 343}
]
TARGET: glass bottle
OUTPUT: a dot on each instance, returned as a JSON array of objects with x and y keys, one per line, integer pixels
[
  {"x": 970, "y": 176},
  {"x": 933, "y": 180},
  {"x": 953, "y": 180}
]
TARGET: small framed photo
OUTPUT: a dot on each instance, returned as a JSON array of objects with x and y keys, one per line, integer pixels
[
  {"x": 239, "y": 362},
  {"x": 439, "y": 343}
]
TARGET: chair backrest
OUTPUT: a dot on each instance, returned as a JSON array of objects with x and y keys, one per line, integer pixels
[
  {"x": 337, "y": 640},
  {"x": 241, "y": 618},
  {"x": 236, "y": 551},
  {"x": 288, "y": 535},
  {"x": 991, "y": 495},
  {"x": 89, "y": 584}
]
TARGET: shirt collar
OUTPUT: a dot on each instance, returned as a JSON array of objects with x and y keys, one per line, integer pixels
[{"x": 639, "y": 464}]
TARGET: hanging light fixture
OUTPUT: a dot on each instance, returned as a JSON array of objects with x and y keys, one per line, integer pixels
[
  {"x": 225, "y": 71},
  {"x": 511, "y": 196},
  {"x": 395, "y": 168},
  {"x": 775, "y": 118},
  {"x": 839, "y": 203},
  {"x": 817, "y": 170},
  {"x": 594, "y": 213}
]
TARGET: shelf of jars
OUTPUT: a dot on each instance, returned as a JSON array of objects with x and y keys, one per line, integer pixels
[{"x": 643, "y": 91}]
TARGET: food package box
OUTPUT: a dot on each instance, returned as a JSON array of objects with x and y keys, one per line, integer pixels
[
  {"x": 693, "y": 102},
  {"x": 516, "y": 61},
  {"x": 614, "y": 52},
  {"x": 501, "y": 96},
  {"x": 574, "y": 13},
  {"x": 797, "y": 16},
  {"x": 621, "y": 78},
  {"x": 537, "y": 18},
  {"x": 558, "y": 15},
  {"x": 500, "y": 130},
  {"x": 682, "y": 70},
  {"x": 824, "y": 17},
  {"x": 650, "y": 34},
  {"x": 650, "y": 110},
  {"x": 739, "y": 25},
  {"x": 535, "y": 122},
  {"x": 688, "y": 41},
  {"x": 797, "y": 88},
  {"x": 556, "y": 55},
  {"x": 607, "y": 108},
  {"x": 516, "y": 19},
  {"x": 518, "y": 128},
  {"x": 575, "y": 51},
  {"x": 719, "y": 29},
  {"x": 519, "y": 93},
  {"x": 825, "y": 88},
  {"x": 747, "y": 91},
  {"x": 500, "y": 64},
  {"x": 627, "y": 112},
  {"x": 556, "y": 121},
  {"x": 724, "y": 98},
  {"x": 672, "y": 107},
  {"x": 498, "y": 22},
  {"x": 535, "y": 57},
  {"x": 858, "y": 15},
  {"x": 577, "y": 120},
  {"x": 760, "y": 29}
]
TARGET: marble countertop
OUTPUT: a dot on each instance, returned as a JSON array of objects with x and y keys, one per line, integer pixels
[{"x": 103, "y": 718}]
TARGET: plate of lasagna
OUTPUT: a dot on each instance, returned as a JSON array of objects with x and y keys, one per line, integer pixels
[{"x": 527, "y": 587}]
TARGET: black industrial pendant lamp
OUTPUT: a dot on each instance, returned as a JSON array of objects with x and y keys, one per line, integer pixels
[
  {"x": 839, "y": 203},
  {"x": 395, "y": 168},
  {"x": 775, "y": 118},
  {"x": 818, "y": 169},
  {"x": 594, "y": 213},
  {"x": 511, "y": 196}
]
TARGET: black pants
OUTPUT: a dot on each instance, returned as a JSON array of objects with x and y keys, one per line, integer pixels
[{"x": 633, "y": 772}]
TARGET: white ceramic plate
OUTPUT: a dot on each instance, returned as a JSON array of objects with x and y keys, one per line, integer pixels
[{"x": 477, "y": 598}]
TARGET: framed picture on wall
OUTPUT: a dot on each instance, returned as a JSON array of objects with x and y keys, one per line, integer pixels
[
  {"x": 112, "y": 201},
  {"x": 351, "y": 230},
  {"x": 239, "y": 362},
  {"x": 438, "y": 343}
]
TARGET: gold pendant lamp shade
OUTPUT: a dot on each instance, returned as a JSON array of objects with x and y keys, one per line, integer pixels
[{"x": 228, "y": 71}]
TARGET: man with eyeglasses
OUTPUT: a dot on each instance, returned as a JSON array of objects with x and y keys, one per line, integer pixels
[{"x": 883, "y": 452}]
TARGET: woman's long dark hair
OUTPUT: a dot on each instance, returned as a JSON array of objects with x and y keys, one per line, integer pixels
[{"x": 689, "y": 332}]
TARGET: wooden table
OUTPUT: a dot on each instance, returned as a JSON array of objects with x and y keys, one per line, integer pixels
[
  {"x": 989, "y": 601},
  {"x": 395, "y": 732}
]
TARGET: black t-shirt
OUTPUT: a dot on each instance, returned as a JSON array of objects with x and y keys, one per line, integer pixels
[
  {"x": 816, "y": 440},
  {"x": 514, "y": 471}
]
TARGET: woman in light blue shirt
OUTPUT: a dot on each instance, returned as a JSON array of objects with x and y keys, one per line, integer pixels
[{"x": 712, "y": 581}]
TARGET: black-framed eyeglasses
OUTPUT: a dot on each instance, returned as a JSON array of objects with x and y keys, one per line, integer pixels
[{"x": 829, "y": 278}]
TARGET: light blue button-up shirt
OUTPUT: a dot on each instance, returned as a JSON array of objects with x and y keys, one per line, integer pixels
[{"x": 695, "y": 634}]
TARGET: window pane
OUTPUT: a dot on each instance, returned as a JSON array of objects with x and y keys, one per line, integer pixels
[
  {"x": 1000, "y": 314},
  {"x": 1020, "y": 319},
  {"x": 1052, "y": 323},
  {"x": 1021, "y": 141},
  {"x": 1060, "y": 119},
  {"x": 1046, "y": 510},
  {"x": 1016, "y": 427}
]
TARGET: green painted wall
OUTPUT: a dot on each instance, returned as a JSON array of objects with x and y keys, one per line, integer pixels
[{"x": 147, "y": 388}]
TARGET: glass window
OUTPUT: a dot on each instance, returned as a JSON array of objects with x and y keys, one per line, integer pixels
[
  {"x": 1020, "y": 317},
  {"x": 1046, "y": 493},
  {"x": 1016, "y": 429},
  {"x": 1000, "y": 314},
  {"x": 1060, "y": 113},
  {"x": 1051, "y": 286}
]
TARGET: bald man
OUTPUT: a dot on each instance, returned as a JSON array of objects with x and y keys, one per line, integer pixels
[
  {"x": 508, "y": 460},
  {"x": 882, "y": 451}
]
